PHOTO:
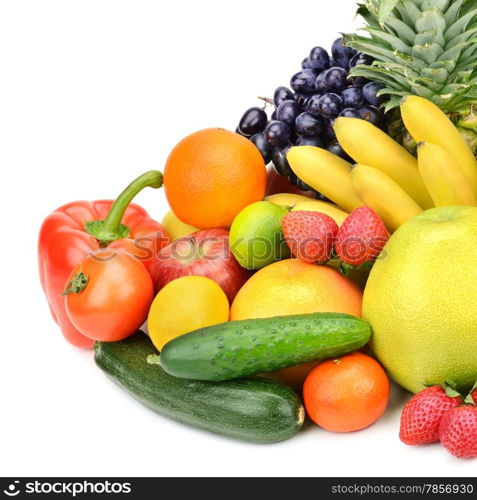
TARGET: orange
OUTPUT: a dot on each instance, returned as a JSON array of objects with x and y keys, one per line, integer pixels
[
  {"x": 211, "y": 175},
  {"x": 346, "y": 394},
  {"x": 295, "y": 287}
]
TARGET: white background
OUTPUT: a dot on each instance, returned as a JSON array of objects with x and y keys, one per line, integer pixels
[{"x": 93, "y": 93}]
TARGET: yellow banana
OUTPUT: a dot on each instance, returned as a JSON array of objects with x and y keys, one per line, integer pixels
[
  {"x": 442, "y": 176},
  {"x": 288, "y": 199},
  {"x": 323, "y": 207},
  {"x": 369, "y": 145},
  {"x": 326, "y": 173},
  {"x": 300, "y": 202},
  {"x": 426, "y": 122},
  {"x": 384, "y": 196}
]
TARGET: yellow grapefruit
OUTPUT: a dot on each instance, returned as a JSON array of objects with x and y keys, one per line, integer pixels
[{"x": 295, "y": 287}]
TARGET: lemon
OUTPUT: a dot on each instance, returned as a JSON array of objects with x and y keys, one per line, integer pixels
[
  {"x": 184, "y": 305},
  {"x": 175, "y": 227},
  {"x": 420, "y": 300}
]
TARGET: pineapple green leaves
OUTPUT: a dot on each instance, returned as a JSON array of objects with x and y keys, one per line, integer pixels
[
  {"x": 422, "y": 47},
  {"x": 387, "y": 6}
]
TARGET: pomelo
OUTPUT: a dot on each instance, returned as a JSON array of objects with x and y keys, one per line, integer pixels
[{"x": 421, "y": 300}]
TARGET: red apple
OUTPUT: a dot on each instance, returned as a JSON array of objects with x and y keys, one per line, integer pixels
[
  {"x": 276, "y": 183},
  {"x": 203, "y": 253}
]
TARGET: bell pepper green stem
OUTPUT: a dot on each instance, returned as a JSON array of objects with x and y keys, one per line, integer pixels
[{"x": 111, "y": 229}]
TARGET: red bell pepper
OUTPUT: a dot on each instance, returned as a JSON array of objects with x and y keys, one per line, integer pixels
[{"x": 75, "y": 230}]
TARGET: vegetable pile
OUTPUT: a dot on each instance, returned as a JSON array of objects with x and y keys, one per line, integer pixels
[{"x": 305, "y": 256}]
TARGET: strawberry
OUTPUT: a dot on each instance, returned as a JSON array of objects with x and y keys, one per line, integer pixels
[
  {"x": 422, "y": 414},
  {"x": 310, "y": 235},
  {"x": 472, "y": 397},
  {"x": 361, "y": 237},
  {"x": 458, "y": 431}
]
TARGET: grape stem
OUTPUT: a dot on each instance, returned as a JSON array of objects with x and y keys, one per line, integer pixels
[{"x": 267, "y": 100}]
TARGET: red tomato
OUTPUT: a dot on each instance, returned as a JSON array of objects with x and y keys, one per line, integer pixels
[{"x": 108, "y": 295}]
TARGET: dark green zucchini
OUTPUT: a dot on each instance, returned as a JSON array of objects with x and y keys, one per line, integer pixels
[
  {"x": 241, "y": 348},
  {"x": 257, "y": 410}
]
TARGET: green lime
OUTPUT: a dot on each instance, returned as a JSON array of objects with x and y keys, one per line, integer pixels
[{"x": 256, "y": 236}]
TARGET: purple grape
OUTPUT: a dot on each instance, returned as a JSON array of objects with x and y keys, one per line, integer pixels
[
  {"x": 263, "y": 146},
  {"x": 369, "y": 92},
  {"x": 253, "y": 121},
  {"x": 312, "y": 104},
  {"x": 282, "y": 94},
  {"x": 303, "y": 186},
  {"x": 303, "y": 82},
  {"x": 239, "y": 132},
  {"x": 319, "y": 59},
  {"x": 352, "y": 97},
  {"x": 329, "y": 133},
  {"x": 350, "y": 113},
  {"x": 337, "y": 150},
  {"x": 320, "y": 83},
  {"x": 372, "y": 114},
  {"x": 341, "y": 54},
  {"x": 293, "y": 137},
  {"x": 305, "y": 64},
  {"x": 330, "y": 105},
  {"x": 335, "y": 79},
  {"x": 277, "y": 133},
  {"x": 274, "y": 116},
  {"x": 310, "y": 141},
  {"x": 288, "y": 111},
  {"x": 307, "y": 124},
  {"x": 360, "y": 58},
  {"x": 293, "y": 179},
  {"x": 360, "y": 81},
  {"x": 322, "y": 197},
  {"x": 280, "y": 161},
  {"x": 301, "y": 99}
]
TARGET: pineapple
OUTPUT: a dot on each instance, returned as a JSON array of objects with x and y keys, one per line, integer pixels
[{"x": 422, "y": 47}]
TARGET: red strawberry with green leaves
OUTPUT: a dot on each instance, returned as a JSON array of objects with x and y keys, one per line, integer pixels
[
  {"x": 458, "y": 431},
  {"x": 361, "y": 237},
  {"x": 310, "y": 235},
  {"x": 472, "y": 397},
  {"x": 422, "y": 414}
]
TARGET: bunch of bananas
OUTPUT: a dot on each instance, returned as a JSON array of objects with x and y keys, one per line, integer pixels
[{"x": 386, "y": 177}]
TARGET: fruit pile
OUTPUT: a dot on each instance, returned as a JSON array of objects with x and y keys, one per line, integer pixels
[
  {"x": 304, "y": 114},
  {"x": 263, "y": 307}
]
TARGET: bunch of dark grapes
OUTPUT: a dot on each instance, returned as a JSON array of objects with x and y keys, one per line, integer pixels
[{"x": 303, "y": 115}]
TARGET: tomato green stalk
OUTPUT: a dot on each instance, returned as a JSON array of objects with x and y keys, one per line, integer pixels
[
  {"x": 110, "y": 229},
  {"x": 77, "y": 284}
]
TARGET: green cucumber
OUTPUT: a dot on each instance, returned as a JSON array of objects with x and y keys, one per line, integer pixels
[
  {"x": 241, "y": 348},
  {"x": 256, "y": 410}
]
